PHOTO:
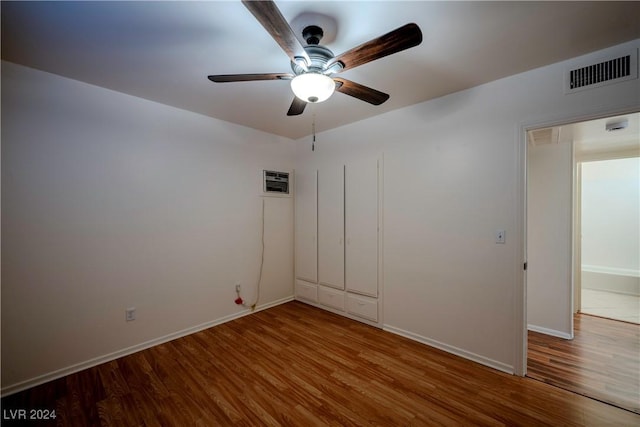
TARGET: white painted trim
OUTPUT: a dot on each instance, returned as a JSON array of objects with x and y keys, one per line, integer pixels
[
  {"x": 610, "y": 270},
  {"x": 572, "y": 237},
  {"x": 551, "y": 332},
  {"x": 41, "y": 379},
  {"x": 503, "y": 367},
  {"x": 520, "y": 244},
  {"x": 380, "y": 238},
  {"x": 577, "y": 234}
]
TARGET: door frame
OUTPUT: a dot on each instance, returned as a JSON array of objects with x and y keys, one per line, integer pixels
[{"x": 520, "y": 302}]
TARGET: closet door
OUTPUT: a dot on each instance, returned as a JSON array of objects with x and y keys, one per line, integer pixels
[
  {"x": 306, "y": 202},
  {"x": 331, "y": 226},
  {"x": 361, "y": 222}
]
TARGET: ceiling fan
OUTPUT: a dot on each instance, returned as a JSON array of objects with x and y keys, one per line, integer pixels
[{"x": 314, "y": 65}]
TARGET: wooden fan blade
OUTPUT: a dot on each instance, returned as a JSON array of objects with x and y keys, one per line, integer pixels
[
  {"x": 269, "y": 16},
  {"x": 297, "y": 107},
  {"x": 359, "y": 91},
  {"x": 225, "y": 78},
  {"x": 395, "y": 41}
]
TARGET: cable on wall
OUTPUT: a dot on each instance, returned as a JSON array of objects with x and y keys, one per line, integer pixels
[
  {"x": 239, "y": 299},
  {"x": 253, "y": 306}
]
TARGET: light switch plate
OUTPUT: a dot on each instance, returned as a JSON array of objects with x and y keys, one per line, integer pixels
[{"x": 500, "y": 236}]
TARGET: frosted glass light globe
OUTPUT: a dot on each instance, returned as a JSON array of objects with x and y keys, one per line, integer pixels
[{"x": 313, "y": 87}]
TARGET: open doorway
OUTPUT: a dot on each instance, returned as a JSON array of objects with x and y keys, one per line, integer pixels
[
  {"x": 609, "y": 211},
  {"x": 574, "y": 175},
  {"x": 583, "y": 205},
  {"x": 606, "y": 220}
]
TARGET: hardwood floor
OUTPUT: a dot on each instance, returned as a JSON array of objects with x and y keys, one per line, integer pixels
[
  {"x": 602, "y": 361},
  {"x": 300, "y": 366}
]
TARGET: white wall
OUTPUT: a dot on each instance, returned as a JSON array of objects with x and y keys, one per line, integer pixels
[
  {"x": 611, "y": 214},
  {"x": 111, "y": 201},
  {"x": 452, "y": 173},
  {"x": 549, "y": 239},
  {"x": 611, "y": 225}
]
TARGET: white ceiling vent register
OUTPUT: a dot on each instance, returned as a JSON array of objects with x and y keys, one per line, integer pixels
[
  {"x": 607, "y": 71},
  {"x": 544, "y": 136}
]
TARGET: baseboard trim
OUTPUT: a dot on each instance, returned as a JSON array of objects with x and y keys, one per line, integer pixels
[
  {"x": 551, "y": 332},
  {"x": 611, "y": 270},
  {"x": 41, "y": 379},
  {"x": 503, "y": 367},
  {"x": 611, "y": 282}
]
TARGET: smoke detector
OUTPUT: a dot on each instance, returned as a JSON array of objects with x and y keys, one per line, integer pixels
[{"x": 617, "y": 124}]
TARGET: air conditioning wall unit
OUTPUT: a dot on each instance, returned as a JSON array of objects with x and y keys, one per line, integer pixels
[{"x": 277, "y": 183}]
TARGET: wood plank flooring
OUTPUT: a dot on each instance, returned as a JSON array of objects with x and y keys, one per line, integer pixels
[
  {"x": 602, "y": 361},
  {"x": 297, "y": 365}
]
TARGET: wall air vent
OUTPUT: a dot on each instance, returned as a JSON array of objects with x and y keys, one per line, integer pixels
[
  {"x": 544, "y": 136},
  {"x": 615, "y": 70}
]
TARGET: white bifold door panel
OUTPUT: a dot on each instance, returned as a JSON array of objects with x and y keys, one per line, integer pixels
[
  {"x": 361, "y": 226},
  {"x": 331, "y": 226},
  {"x": 306, "y": 203},
  {"x": 338, "y": 220}
]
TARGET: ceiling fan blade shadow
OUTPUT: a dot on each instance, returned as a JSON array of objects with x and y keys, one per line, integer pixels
[
  {"x": 297, "y": 107},
  {"x": 400, "y": 39},
  {"x": 226, "y": 78},
  {"x": 359, "y": 91},
  {"x": 269, "y": 16}
]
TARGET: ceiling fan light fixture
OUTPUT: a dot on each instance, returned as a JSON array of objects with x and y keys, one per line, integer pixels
[{"x": 313, "y": 87}]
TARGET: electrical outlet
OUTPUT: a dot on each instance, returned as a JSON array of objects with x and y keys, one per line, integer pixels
[
  {"x": 130, "y": 314},
  {"x": 500, "y": 236},
  {"x": 237, "y": 287}
]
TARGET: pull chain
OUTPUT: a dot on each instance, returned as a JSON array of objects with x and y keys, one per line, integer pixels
[{"x": 313, "y": 129}]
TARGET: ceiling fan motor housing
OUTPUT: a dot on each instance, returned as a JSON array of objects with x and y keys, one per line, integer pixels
[
  {"x": 312, "y": 34},
  {"x": 319, "y": 56}
]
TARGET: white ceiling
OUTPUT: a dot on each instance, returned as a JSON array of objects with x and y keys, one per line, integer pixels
[
  {"x": 592, "y": 140},
  {"x": 592, "y": 137},
  {"x": 163, "y": 51}
]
